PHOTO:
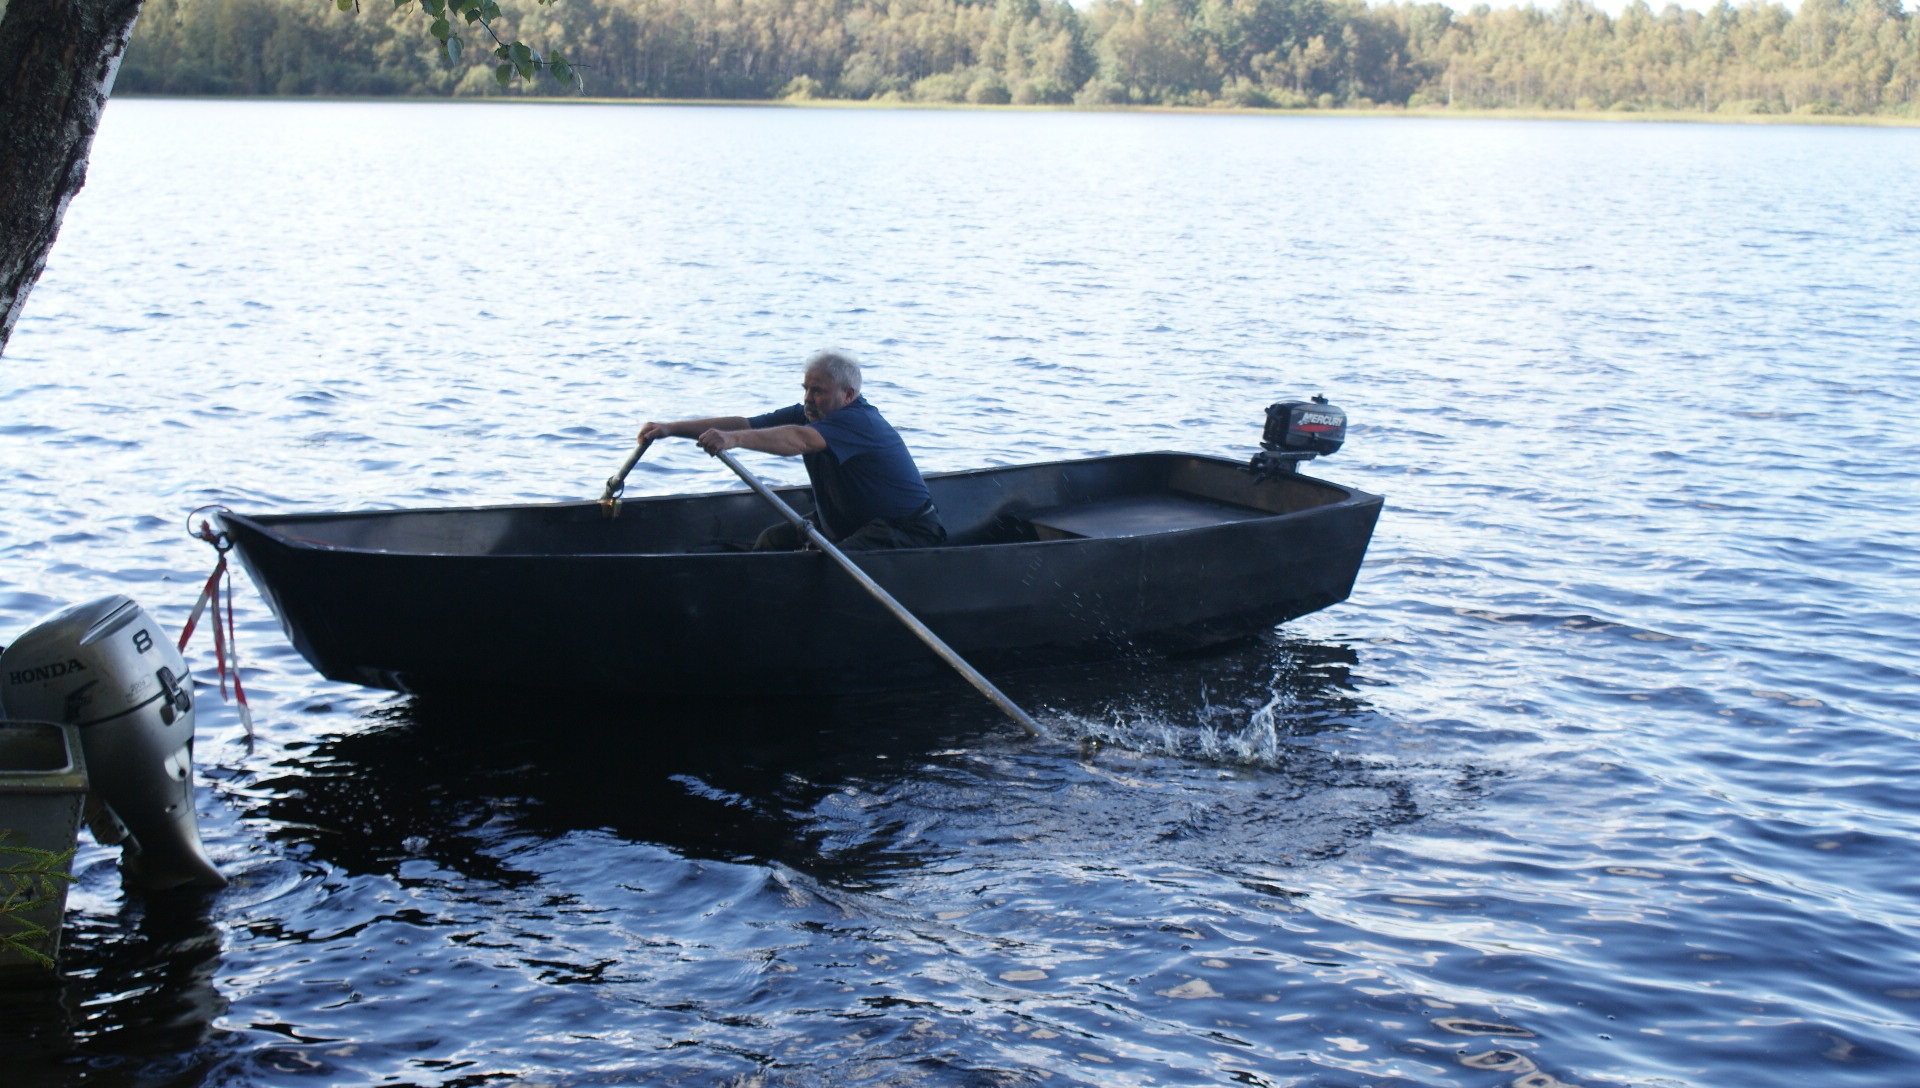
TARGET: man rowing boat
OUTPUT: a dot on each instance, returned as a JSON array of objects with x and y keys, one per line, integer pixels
[{"x": 867, "y": 492}]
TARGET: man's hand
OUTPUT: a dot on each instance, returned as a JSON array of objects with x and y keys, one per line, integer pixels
[
  {"x": 689, "y": 428},
  {"x": 713, "y": 440}
]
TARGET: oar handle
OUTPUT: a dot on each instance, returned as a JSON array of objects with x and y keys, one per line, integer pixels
[
  {"x": 617, "y": 482},
  {"x": 982, "y": 684}
]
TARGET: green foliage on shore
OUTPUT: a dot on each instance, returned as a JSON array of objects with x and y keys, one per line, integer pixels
[{"x": 1855, "y": 57}]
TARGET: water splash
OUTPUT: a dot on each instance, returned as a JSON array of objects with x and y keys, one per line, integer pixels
[{"x": 1258, "y": 737}]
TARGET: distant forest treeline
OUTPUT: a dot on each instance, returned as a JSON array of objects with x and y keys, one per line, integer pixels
[{"x": 1832, "y": 56}]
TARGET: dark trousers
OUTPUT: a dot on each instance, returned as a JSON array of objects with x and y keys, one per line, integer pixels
[{"x": 920, "y": 529}]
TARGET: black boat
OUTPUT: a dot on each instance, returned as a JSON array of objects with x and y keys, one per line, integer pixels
[{"x": 1047, "y": 563}]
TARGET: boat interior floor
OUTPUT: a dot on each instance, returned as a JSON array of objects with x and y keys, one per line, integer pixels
[{"x": 1137, "y": 515}]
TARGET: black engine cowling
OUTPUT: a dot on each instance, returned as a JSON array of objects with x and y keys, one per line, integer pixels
[{"x": 1302, "y": 426}]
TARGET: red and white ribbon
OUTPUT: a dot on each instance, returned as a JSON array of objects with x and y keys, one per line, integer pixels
[{"x": 226, "y": 654}]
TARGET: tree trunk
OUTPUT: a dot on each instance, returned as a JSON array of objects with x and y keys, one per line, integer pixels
[{"x": 57, "y": 62}]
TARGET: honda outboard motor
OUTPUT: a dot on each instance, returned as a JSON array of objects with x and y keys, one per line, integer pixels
[
  {"x": 1299, "y": 430},
  {"x": 107, "y": 668}
]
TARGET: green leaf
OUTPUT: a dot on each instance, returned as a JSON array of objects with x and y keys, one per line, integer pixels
[
  {"x": 435, "y": 8},
  {"x": 343, "y": 5},
  {"x": 489, "y": 10},
  {"x": 503, "y": 52},
  {"x": 503, "y": 75},
  {"x": 562, "y": 71},
  {"x": 440, "y": 29},
  {"x": 452, "y": 48}
]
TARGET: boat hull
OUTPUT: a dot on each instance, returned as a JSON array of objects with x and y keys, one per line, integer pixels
[{"x": 549, "y": 597}]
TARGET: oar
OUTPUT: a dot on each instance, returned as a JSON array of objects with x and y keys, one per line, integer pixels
[
  {"x": 616, "y": 483},
  {"x": 980, "y": 683}
]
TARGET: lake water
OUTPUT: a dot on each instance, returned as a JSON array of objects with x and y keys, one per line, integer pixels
[{"x": 1606, "y": 775}]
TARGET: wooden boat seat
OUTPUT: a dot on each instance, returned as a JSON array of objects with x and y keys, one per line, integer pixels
[{"x": 1137, "y": 515}]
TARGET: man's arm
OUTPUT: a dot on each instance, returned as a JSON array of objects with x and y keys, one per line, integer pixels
[{"x": 789, "y": 441}]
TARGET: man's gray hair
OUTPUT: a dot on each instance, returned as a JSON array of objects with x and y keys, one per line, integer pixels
[{"x": 843, "y": 368}]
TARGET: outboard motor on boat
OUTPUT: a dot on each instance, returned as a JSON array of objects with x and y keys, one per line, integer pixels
[
  {"x": 1299, "y": 430},
  {"x": 106, "y": 667}
]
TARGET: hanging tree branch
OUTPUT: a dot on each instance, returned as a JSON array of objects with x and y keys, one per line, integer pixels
[
  {"x": 516, "y": 57},
  {"x": 27, "y": 884}
]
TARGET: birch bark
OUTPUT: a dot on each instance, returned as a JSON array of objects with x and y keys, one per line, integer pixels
[{"x": 57, "y": 63}]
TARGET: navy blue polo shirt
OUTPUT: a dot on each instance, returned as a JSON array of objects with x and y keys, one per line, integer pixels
[{"x": 864, "y": 473}]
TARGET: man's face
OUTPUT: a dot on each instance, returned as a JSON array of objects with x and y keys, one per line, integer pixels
[{"x": 823, "y": 396}]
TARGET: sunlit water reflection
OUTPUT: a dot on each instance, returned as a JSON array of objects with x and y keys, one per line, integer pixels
[{"x": 1604, "y": 776}]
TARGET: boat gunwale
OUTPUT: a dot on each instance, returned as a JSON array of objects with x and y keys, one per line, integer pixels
[{"x": 268, "y": 525}]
